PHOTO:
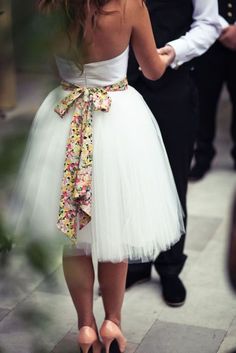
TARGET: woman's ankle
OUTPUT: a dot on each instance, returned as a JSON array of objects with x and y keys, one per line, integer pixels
[
  {"x": 91, "y": 323},
  {"x": 114, "y": 319}
]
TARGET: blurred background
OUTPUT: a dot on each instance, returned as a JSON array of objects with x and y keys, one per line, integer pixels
[{"x": 36, "y": 313}]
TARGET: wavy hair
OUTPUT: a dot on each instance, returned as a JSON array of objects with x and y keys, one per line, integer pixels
[{"x": 75, "y": 14}]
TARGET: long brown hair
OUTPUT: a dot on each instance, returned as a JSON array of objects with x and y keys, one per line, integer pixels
[{"x": 75, "y": 13}]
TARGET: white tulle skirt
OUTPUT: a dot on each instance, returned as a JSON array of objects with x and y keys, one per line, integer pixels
[{"x": 136, "y": 212}]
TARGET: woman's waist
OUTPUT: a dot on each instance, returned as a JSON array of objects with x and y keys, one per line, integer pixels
[{"x": 93, "y": 81}]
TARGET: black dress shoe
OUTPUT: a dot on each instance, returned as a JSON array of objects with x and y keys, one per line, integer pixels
[
  {"x": 198, "y": 171},
  {"x": 138, "y": 273},
  {"x": 173, "y": 290}
]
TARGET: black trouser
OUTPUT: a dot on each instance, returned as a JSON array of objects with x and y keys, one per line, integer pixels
[
  {"x": 173, "y": 101},
  {"x": 212, "y": 70}
]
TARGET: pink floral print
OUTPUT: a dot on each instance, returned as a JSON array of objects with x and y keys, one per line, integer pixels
[{"x": 76, "y": 190}]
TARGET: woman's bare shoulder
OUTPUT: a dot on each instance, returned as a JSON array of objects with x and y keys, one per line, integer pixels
[{"x": 134, "y": 7}]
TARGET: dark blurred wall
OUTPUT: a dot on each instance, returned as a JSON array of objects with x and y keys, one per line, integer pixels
[
  {"x": 22, "y": 14},
  {"x": 30, "y": 35}
]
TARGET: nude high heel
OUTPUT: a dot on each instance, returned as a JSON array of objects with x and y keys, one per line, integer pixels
[
  {"x": 87, "y": 338},
  {"x": 110, "y": 332}
]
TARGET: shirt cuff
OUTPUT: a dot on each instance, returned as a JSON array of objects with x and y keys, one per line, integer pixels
[
  {"x": 223, "y": 22},
  {"x": 180, "y": 49}
]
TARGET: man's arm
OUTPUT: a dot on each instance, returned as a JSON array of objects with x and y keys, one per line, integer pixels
[{"x": 204, "y": 31}]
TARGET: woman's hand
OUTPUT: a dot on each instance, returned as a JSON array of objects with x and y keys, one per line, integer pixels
[{"x": 166, "y": 54}]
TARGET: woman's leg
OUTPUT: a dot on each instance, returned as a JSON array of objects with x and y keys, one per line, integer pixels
[
  {"x": 112, "y": 278},
  {"x": 79, "y": 276}
]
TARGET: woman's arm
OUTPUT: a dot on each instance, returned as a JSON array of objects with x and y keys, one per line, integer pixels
[{"x": 143, "y": 43}]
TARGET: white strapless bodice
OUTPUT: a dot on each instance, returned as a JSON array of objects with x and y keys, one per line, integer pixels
[{"x": 97, "y": 74}]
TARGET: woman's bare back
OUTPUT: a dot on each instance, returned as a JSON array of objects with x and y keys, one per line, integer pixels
[
  {"x": 124, "y": 22},
  {"x": 112, "y": 33}
]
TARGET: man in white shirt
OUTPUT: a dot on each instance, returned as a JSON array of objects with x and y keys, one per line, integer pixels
[
  {"x": 214, "y": 69},
  {"x": 183, "y": 29}
]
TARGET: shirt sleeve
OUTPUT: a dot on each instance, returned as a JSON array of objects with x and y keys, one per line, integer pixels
[
  {"x": 223, "y": 22},
  {"x": 205, "y": 29}
]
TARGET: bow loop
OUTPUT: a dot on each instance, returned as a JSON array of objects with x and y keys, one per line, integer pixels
[
  {"x": 64, "y": 105},
  {"x": 97, "y": 98}
]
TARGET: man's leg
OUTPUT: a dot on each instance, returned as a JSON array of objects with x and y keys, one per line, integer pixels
[
  {"x": 177, "y": 121},
  {"x": 173, "y": 103},
  {"x": 209, "y": 74},
  {"x": 138, "y": 273},
  {"x": 231, "y": 84}
]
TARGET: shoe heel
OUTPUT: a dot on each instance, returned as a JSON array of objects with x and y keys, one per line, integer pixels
[
  {"x": 86, "y": 338},
  {"x": 85, "y": 347},
  {"x": 110, "y": 332},
  {"x": 107, "y": 342}
]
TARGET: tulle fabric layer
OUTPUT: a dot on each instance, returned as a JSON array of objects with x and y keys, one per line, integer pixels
[{"x": 136, "y": 212}]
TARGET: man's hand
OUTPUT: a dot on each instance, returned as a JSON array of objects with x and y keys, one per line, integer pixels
[
  {"x": 228, "y": 37},
  {"x": 168, "y": 53}
]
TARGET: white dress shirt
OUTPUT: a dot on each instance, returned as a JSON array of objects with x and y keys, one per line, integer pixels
[
  {"x": 205, "y": 29},
  {"x": 224, "y": 23}
]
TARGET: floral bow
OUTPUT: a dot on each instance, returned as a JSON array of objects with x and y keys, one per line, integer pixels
[{"x": 76, "y": 190}]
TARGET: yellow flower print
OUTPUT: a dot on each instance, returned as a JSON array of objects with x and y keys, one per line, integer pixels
[{"x": 76, "y": 189}]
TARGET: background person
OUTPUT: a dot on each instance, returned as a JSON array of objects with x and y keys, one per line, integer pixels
[
  {"x": 212, "y": 70},
  {"x": 7, "y": 69}
]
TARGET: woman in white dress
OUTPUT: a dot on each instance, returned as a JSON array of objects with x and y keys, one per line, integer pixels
[{"x": 95, "y": 171}]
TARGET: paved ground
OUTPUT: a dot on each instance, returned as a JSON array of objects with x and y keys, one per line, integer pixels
[{"x": 205, "y": 324}]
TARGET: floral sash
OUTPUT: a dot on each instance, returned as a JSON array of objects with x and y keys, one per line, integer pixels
[{"x": 76, "y": 190}]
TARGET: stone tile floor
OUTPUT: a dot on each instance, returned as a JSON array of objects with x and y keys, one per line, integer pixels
[{"x": 207, "y": 321}]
